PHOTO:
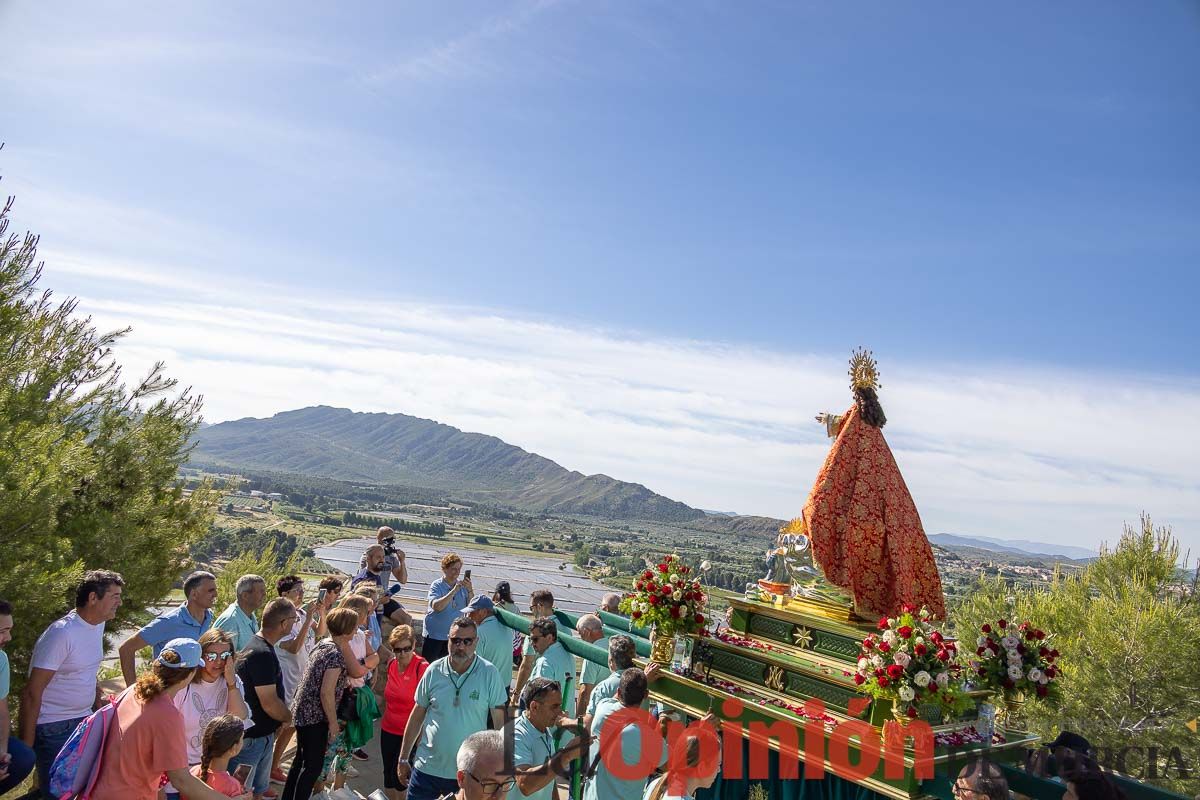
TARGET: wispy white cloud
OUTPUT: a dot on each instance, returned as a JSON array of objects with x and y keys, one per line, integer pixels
[{"x": 1006, "y": 451}]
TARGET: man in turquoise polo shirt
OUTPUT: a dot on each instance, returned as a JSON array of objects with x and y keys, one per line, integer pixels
[
  {"x": 453, "y": 700},
  {"x": 238, "y": 619},
  {"x": 189, "y": 621},
  {"x": 554, "y": 662},
  {"x": 495, "y": 641},
  {"x": 534, "y": 758},
  {"x": 622, "y": 744},
  {"x": 621, "y": 652},
  {"x": 590, "y": 629}
]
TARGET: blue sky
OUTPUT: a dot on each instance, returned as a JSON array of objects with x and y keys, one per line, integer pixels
[{"x": 1001, "y": 200}]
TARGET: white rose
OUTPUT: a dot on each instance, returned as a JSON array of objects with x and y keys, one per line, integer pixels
[
  {"x": 943, "y": 679},
  {"x": 1035, "y": 675},
  {"x": 907, "y": 694},
  {"x": 678, "y": 595},
  {"x": 920, "y": 640},
  {"x": 1010, "y": 642},
  {"x": 1014, "y": 657},
  {"x": 672, "y": 577},
  {"x": 876, "y": 661},
  {"x": 890, "y": 637},
  {"x": 1014, "y": 673},
  {"x": 1042, "y": 679},
  {"x": 902, "y": 658},
  {"x": 922, "y": 679},
  {"x": 863, "y": 663}
]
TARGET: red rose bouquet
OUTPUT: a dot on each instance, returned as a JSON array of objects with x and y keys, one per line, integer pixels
[
  {"x": 1014, "y": 660},
  {"x": 911, "y": 663},
  {"x": 667, "y": 598}
]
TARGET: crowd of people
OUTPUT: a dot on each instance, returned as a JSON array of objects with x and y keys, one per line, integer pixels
[{"x": 214, "y": 712}]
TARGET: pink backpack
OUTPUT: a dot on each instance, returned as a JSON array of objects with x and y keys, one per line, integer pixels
[{"x": 77, "y": 766}]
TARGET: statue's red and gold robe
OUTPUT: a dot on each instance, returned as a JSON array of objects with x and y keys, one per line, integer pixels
[{"x": 866, "y": 532}]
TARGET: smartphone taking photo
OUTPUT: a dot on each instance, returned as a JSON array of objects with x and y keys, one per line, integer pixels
[
  {"x": 321, "y": 595},
  {"x": 244, "y": 774}
]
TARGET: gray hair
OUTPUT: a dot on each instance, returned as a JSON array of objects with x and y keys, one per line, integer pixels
[
  {"x": 610, "y": 602},
  {"x": 589, "y": 622},
  {"x": 621, "y": 652},
  {"x": 476, "y": 745},
  {"x": 246, "y": 583},
  {"x": 195, "y": 579}
]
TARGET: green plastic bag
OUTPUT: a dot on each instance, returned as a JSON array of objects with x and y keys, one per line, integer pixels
[{"x": 359, "y": 732}]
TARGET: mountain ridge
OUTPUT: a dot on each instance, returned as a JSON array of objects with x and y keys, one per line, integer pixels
[{"x": 339, "y": 443}]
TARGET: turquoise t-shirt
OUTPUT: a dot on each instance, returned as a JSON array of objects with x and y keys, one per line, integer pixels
[
  {"x": 558, "y": 665},
  {"x": 604, "y": 785},
  {"x": 4, "y": 676},
  {"x": 478, "y": 690},
  {"x": 592, "y": 673},
  {"x": 603, "y": 690},
  {"x": 531, "y": 748},
  {"x": 495, "y": 645},
  {"x": 237, "y": 624}
]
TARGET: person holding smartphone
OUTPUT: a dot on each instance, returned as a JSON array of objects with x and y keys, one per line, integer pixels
[
  {"x": 215, "y": 691},
  {"x": 447, "y": 598}
]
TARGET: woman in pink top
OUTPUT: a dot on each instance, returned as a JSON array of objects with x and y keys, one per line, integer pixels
[
  {"x": 147, "y": 738},
  {"x": 403, "y": 674}
]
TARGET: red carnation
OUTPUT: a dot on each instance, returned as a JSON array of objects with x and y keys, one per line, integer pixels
[
  {"x": 1054, "y": 654},
  {"x": 663, "y": 567},
  {"x": 986, "y": 628},
  {"x": 920, "y": 649},
  {"x": 684, "y": 570},
  {"x": 675, "y": 611},
  {"x": 636, "y": 614},
  {"x": 904, "y": 631},
  {"x": 908, "y": 608},
  {"x": 894, "y": 671},
  {"x": 879, "y": 672},
  {"x": 652, "y": 599},
  {"x": 1051, "y": 672},
  {"x": 1030, "y": 635},
  {"x": 859, "y": 679},
  {"x": 1041, "y": 691},
  {"x": 699, "y": 618},
  {"x": 1003, "y": 623},
  {"x": 1024, "y": 625},
  {"x": 666, "y": 588},
  {"x": 647, "y": 575},
  {"x": 884, "y": 647},
  {"x": 1039, "y": 634},
  {"x": 651, "y": 587},
  {"x": 1043, "y": 652},
  {"x": 936, "y": 636},
  {"x": 638, "y": 586},
  {"x": 943, "y": 655},
  {"x": 979, "y": 651},
  {"x": 883, "y": 681},
  {"x": 912, "y": 712},
  {"x": 883, "y": 623},
  {"x": 868, "y": 644}
]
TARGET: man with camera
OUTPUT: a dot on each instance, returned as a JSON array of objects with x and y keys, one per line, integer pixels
[{"x": 378, "y": 562}]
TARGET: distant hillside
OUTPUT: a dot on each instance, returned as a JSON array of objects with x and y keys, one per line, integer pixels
[
  {"x": 399, "y": 449},
  {"x": 1016, "y": 546}
]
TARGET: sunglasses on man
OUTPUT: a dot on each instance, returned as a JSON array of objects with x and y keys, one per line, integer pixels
[{"x": 467, "y": 640}]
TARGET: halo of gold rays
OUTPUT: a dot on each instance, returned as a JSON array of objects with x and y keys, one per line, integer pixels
[{"x": 864, "y": 372}]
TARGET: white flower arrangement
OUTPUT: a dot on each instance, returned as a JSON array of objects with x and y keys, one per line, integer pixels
[{"x": 922, "y": 679}]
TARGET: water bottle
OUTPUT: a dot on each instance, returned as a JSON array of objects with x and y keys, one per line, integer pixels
[{"x": 682, "y": 658}]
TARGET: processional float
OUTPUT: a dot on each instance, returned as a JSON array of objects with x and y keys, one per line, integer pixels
[{"x": 782, "y": 675}]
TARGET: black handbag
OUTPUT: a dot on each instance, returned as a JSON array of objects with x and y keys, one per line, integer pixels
[{"x": 347, "y": 707}]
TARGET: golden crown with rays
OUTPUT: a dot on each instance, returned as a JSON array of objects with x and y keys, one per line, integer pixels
[{"x": 864, "y": 372}]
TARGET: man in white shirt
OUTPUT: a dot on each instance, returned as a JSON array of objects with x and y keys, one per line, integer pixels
[{"x": 62, "y": 689}]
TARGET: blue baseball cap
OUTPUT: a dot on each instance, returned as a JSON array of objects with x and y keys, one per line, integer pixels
[
  {"x": 188, "y": 651},
  {"x": 481, "y": 603}
]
